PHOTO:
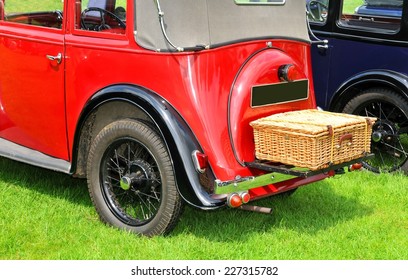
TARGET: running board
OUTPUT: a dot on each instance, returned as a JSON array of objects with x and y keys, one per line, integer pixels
[{"x": 20, "y": 153}]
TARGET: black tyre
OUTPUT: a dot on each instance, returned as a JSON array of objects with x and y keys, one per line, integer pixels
[
  {"x": 389, "y": 139},
  {"x": 131, "y": 179}
]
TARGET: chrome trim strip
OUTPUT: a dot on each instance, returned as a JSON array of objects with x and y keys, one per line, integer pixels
[
  {"x": 251, "y": 182},
  {"x": 20, "y": 153}
]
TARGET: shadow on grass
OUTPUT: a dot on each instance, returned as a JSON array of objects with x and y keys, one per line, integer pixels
[
  {"x": 44, "y": 181},
  {"x": 309, "y": 210}
]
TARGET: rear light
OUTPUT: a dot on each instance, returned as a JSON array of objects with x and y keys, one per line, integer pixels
[
  {"x": 245, "y": 197},
  {"x": 355, "y": 166},
  {"x": 235, "y": 200},
  {"x": 288, "y": 73},
  {"x": 200, "y": 161}
]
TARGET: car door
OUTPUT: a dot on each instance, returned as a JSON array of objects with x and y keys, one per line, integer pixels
[
  {"x": 320, "y": 16},
  {"x": 32, "y": 105}
]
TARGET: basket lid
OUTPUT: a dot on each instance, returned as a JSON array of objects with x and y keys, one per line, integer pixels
[{"x": 310, "y": 121}]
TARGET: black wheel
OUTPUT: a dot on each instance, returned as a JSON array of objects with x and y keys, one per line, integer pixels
[
  {"x": 131, "y": 179},
  {"x": 389, "y": 139}
]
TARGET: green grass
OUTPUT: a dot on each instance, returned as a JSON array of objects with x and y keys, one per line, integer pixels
[
  {"x": 30, "y": 6},
  {"x": 360, "y": 215},
  {"x": 349, "y": 6}
]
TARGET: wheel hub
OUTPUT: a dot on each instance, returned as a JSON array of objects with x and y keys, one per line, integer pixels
[
  {"x": 384, "y": 132},
  {"x": 140, "y": 176}
]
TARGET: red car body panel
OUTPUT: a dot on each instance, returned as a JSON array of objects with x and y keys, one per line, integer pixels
[
  {"x": 35, "y": 114},
  {"x": 195, "y": 83}
]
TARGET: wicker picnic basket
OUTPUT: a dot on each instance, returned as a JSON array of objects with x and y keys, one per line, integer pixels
[{"x": 311, "y": 138}]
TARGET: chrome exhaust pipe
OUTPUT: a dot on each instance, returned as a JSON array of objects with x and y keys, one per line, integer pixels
[{"x": 253, "y": 208}]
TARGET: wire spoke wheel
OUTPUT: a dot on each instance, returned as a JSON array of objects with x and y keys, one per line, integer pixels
[
  {"x": 131, "y": 182},
  {"x": 389, "y": 141},
  {"x": 131, "y": 179}
]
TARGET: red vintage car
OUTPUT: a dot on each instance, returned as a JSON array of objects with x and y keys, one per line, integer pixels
[{"x": 151, "y": 101}]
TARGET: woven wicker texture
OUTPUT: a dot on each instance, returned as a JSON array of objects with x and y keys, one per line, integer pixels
[{"x": 311, "y": 138}]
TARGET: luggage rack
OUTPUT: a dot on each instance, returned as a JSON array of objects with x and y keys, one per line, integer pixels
[{"x": 300, "y": 172}]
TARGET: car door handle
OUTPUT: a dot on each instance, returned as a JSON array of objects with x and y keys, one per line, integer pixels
[
  {"x": 323, "y": 47},
  {"x": 57, "y": 58}
]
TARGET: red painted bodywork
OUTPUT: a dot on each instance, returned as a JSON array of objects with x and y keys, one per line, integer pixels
[{"x": 42, "y": 101}]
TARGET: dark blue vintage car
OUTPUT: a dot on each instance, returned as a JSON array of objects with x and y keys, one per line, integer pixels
[{"x": 362, "y": 69}]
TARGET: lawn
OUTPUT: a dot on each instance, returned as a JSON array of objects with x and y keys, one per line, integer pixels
[{"x": 360, "y": 215}]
